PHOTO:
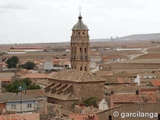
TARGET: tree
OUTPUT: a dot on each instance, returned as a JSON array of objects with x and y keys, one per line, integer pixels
[
  {"x": 28, "y": 65},
  {"x": 12, "y": 62},
  {"x": 26, "y": 84},
  {"x": 90, "y": 101}
]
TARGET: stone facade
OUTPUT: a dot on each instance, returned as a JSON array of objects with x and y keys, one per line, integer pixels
[{"x": 80, "y": 47}]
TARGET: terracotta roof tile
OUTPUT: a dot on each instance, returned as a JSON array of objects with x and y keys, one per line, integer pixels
[
  {"x": 149, "y": 97},
  {"x": 124, "y": 98},
  {"x": 33, "y": 116},
  {"x": 35, "y": 93},
  {"x": 82, "y": 116},
  {"x": 120, "y": 80},
  {"x": 35, "y": 75},
  {"x": 6, "y": 79},
  {"x": 155, "y": 83}
]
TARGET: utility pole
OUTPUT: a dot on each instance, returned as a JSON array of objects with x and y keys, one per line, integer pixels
[{"x": 20, "y": 88}]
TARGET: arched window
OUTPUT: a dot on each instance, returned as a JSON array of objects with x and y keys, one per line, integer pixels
[
  {"x": 85, "y": 50},
  {"x": 85, "y": 68},
  {"x": 80, "y": 50}
]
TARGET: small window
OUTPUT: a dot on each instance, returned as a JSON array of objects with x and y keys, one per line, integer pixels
[
  {"x": 29, "y": 105},
  {"x": 13, "y": 106},
  {"x": 78, "y": 33}
]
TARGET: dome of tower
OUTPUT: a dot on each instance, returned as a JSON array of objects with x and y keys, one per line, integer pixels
[{"x": 80, "y": 25}]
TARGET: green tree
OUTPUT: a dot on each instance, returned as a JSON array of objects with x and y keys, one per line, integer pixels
[
  {"x": 26, "y": 84},
  {"x": 28, "y": 65},
  {"x": 12, "y": 62},
  {"x": 90, "y": 101}
]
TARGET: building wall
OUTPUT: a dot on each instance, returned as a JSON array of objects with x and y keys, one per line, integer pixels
[
  {"x": 103, "y": 105},
  {"x": 21, "y": 107},
  {"x": 96, "y": 59},
  {"x": 2, "y": 107},
  {"x": 65, "y": 104},
  {"x": 48, "y": 65},
  {"x": 92, "y": 64},
  {"x": 86, "y": 90}
]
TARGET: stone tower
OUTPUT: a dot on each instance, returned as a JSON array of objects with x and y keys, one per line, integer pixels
[{"x": 80, "y": 46}]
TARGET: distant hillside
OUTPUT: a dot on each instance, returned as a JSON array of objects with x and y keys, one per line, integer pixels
[{"x": 152, "y": 36}]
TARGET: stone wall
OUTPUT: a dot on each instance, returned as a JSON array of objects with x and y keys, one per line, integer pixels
[
  {"x": 86, "y": 90},
  {"x": 65, "y": 104}
]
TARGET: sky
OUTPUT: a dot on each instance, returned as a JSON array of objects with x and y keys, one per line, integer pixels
[{"x": 49, "y": 21}]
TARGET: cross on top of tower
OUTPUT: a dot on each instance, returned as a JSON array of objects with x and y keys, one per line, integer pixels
[{"x": 80, "y": 8}]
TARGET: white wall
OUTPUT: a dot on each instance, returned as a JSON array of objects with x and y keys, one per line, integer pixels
[
  {"x": 48, "y": 65},
  {"x": 103, "y": 105},
  {"x": 21, "y": 107}
]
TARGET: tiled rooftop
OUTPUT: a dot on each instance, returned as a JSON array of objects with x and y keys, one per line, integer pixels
[
  {"x": 4, "y": 97},
  {"x": 35, "y": 75},
  {"x": 6, "y": 79},
  {"x": 155, "y": 83},
  {"x": 77, "y": 76},
  {"x": 33, "y": 116},
  {"x": 35, "y": 93},
  {"x": 124, "y": 98}
]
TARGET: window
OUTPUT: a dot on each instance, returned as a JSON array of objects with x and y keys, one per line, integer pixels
[
  {"x": 13, "y": 106},
  {"x": 80, "y": 50},
  {"x": 29, "y": 105},
  {"x": 85, "y": 49}
]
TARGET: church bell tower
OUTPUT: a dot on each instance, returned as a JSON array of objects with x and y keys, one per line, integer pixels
[{"x": 80, "y": 46}]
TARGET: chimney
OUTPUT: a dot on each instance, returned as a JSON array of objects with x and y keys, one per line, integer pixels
[{"x": 90, "y": 117}]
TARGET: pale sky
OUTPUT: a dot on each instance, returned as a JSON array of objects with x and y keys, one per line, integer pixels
[{"x": 43, "y": 21}]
